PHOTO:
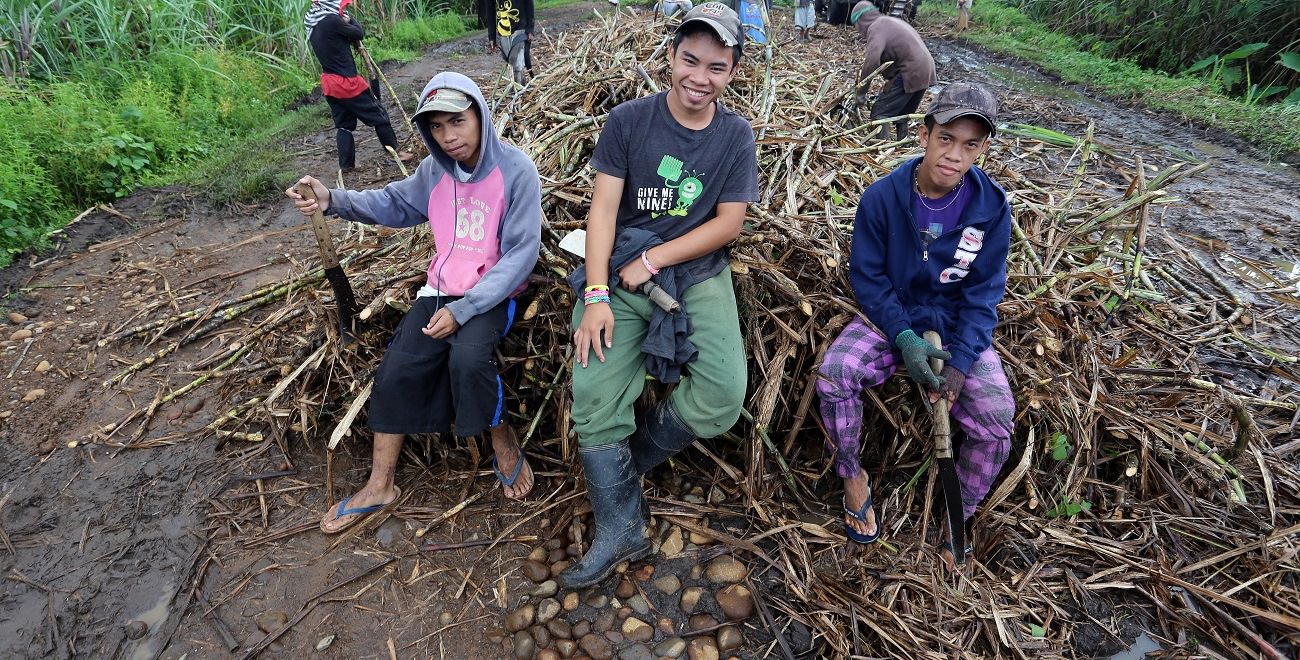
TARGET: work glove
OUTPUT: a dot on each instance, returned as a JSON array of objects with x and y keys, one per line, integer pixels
[
  {"x": 953, "y": 381},
  {"x": 916, "y": 355}
]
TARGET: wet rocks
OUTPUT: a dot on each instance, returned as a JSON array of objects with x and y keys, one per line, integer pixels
[
  {"x": 536, "y": 571},
  {"x": 736, "y": 602},
  {"x": 545, "y": 589},
  {"x": 729, "y": 639},
  {"x": 19, "y": 335},
  {"x": 702, "y": 648},
  {"x": 673, "y": 647},
  {"x": 524, "y": 645},
  {"x": 668, "y": 584},
  {"x": 547, "y": 610},
  {"x": 672, "y": 544},
  {"x": 559, "y": 629},
  {"x": 272, "y": 620},
  {"x": 567, "y": 648},
  {"x": 691, "y": 599},
  {"x": 636, "y": 652},
  {"x": 16, "y": 318},
  {"x": 637, "y": 630},
  {"x": 521, "y": 618},
  {"x": 550, "y": 654},
  {"x": 597, "y": 647},
  {"x": 725, "y": 570},
  {"x": 571, "y": 601},
  {"x": 700, "y": 622},
  {"x": 136, "y": 629},
  {"x": 625, "y": 588}
]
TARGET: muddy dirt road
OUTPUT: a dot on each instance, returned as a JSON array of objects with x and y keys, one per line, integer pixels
[{"x": 122, "y": 540}]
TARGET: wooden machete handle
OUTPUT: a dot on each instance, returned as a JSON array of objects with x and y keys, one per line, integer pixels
[
  {"x": 329, "y": 259},
  {"x": 942, "y": 425}
]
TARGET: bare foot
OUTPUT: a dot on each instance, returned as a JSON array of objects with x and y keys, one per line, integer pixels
[
  {"x": 950, "y": 561},
  {"x": 333, "y": 523},
  {"x": 505, "y": 445},
  {"x": 855, "y": 493}
]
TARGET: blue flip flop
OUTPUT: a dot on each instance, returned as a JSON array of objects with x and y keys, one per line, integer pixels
[
  {"x": 509, "y": 481},
  {"x": 861, "y": 516},
  {"x": 359, "y": 512}
]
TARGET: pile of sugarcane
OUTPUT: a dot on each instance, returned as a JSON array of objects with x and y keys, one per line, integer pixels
[{"x": 1156, "y": 390}]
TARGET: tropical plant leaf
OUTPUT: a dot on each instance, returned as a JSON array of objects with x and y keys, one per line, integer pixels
[
  {"x": 1205, "y": 63},
  {"x": 1231, "y": 76},
  {"x": 1293, "y": 98},
  {"x": 1245, "y": 51},
  {"x": 1290, "y": 60}
]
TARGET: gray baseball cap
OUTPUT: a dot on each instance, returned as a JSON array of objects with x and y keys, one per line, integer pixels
[
  {"x": 444, "y": 99},
  {"x": 962, "y": 99},
  {"x": 720, "y": 18}
]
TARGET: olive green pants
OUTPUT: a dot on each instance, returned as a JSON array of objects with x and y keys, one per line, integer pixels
[{"x": 708, "y": 398}]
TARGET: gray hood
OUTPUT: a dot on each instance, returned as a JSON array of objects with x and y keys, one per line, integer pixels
[{"x": 489, "y": 146}]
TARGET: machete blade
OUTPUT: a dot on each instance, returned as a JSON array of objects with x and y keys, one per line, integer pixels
[
  {"x": 942, "y": 437},
  {"x": 345, "y": 302}
]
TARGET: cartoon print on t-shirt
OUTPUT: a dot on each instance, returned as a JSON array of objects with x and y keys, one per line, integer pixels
[
  {"x": 687, "y": 190},
  {"x": 507, "y": 16}
]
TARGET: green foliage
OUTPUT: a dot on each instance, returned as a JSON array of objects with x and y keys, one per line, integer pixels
[
  {"x": 101, "y": 97},
  {"x": 60, "y": 34},
  {"x": 1060, "y": 446},
  {"x": 404, "y": 40},
  {"x": 1007, "y": 30},
  {"x": 130, "y": 158},
  {"x": 28, "y": 200},
  {"x": 1068, "y": 509},
  {"x": 1169, "y": 36}
]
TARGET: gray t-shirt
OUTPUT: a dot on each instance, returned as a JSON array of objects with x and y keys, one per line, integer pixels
[{"x": 674, "y": 177}]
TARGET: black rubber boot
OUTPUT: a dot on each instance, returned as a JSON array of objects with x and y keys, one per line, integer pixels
[
  {"x": 661, "y": 436},
  {"x": 347, "y": 150},
  {"x": 617, "y": 502}
]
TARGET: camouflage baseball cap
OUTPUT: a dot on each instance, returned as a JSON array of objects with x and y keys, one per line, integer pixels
[{"x": 961, "y": 99}]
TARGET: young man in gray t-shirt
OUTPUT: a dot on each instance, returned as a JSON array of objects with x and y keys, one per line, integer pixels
[{"x": 675, "y": 173}]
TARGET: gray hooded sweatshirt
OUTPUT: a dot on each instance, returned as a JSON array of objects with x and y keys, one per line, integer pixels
[{"x": 486, "y": 230}]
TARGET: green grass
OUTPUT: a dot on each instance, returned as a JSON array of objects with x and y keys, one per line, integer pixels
[
  {"x": 1274, "y": 128},
  {"x": 553, "y": 4},
  {"x": 102, "y": 127},
  {"x": 404, "y": 41}
]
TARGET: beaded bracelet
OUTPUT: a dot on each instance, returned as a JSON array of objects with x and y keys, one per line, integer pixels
[{"x": 645, "y": 261}]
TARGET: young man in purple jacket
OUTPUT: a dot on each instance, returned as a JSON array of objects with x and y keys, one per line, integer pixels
[
  {"x": 482, "y": 200},
  {"x": 930, "y": 245}
]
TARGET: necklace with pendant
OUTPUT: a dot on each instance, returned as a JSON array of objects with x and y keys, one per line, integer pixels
[{"x": 916, "y": 182}]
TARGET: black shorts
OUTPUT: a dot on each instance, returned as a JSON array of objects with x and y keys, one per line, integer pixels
[
  {"x": 895, "y": 101},
  {"x": 423, "y": 384}
]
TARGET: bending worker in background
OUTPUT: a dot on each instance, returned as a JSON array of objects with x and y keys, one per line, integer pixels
[{"x": 890, "y": 39}]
